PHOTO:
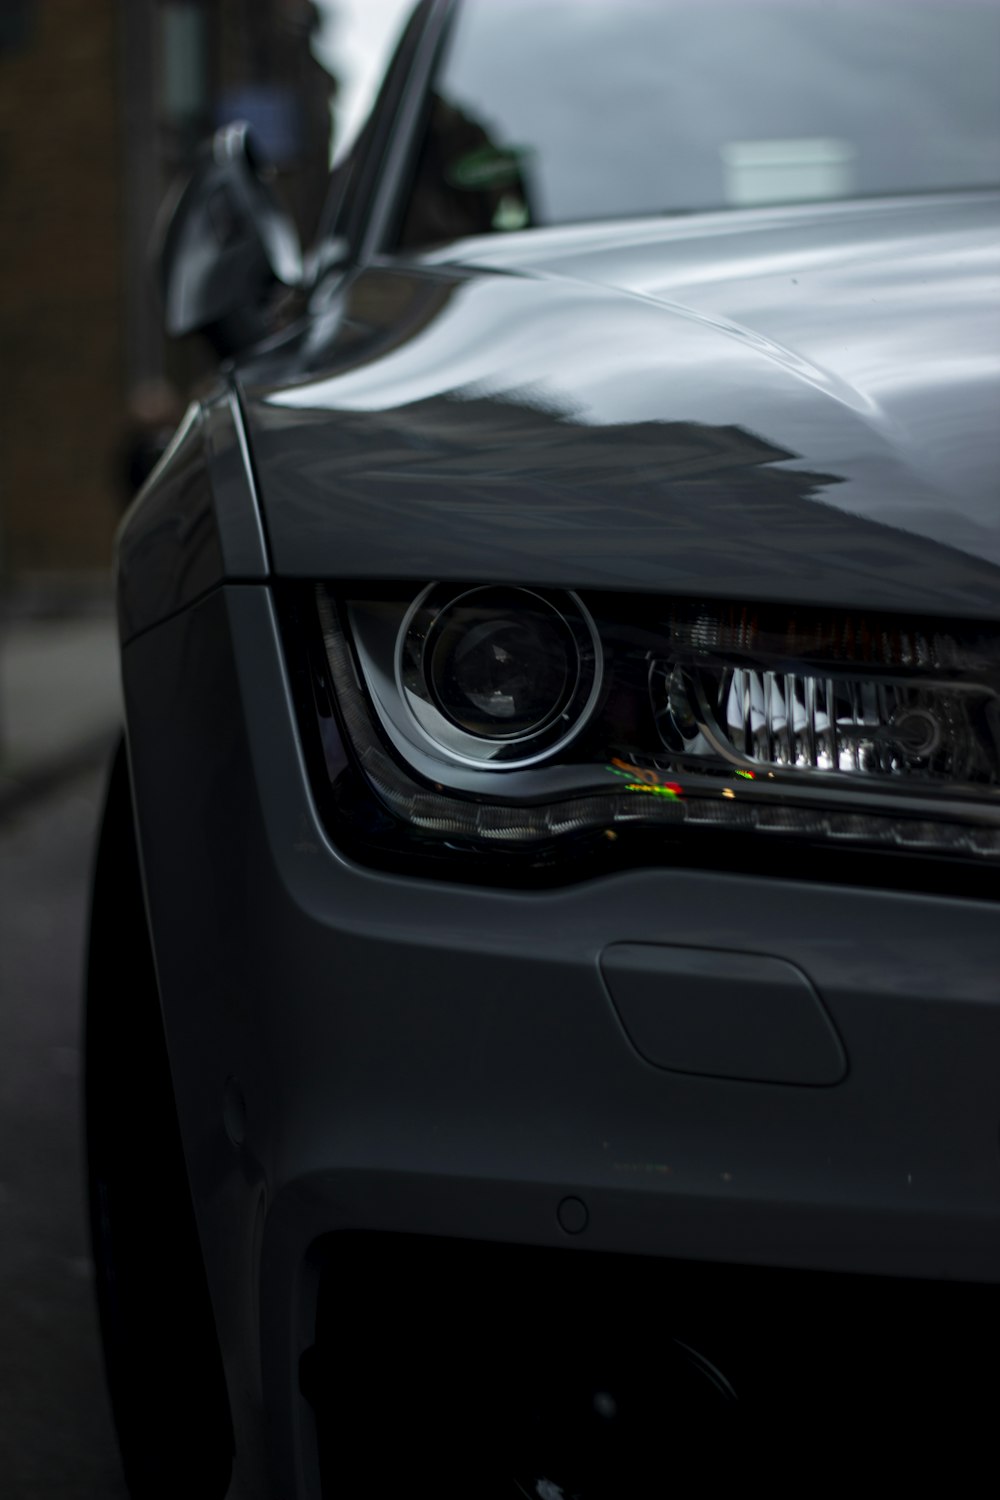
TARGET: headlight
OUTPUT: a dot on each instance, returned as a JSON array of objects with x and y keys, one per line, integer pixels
[
  {"x": 514, "y": 718},
  {"x": 505, "y": 676}
]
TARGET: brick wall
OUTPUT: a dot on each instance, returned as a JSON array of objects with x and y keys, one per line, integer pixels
[{"x": 61, "y": 381}]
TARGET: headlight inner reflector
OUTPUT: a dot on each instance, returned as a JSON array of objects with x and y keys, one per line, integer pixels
[{"x": 881, "y": 725}]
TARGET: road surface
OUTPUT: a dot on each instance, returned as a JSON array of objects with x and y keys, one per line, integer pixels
[{"x": 56, "y": 1436}]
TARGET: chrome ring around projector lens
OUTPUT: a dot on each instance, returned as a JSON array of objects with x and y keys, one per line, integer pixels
[{"x": 496, "y": 673}]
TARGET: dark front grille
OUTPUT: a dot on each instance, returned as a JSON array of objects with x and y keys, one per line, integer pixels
[{"x": 464, "y": 1368}]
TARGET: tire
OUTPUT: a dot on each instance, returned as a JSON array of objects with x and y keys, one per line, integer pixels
[{"x": 162, "y": 1361}]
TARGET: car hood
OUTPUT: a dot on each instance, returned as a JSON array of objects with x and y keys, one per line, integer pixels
[{"x": 793, "y": 404}]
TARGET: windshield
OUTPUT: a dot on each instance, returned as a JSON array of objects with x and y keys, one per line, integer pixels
[{"x": 550, "y": 111}]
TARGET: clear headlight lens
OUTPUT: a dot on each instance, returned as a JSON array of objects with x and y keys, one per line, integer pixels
[{"x": 514, "y": 717}]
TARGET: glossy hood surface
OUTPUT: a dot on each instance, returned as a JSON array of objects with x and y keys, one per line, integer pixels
[{"x": 796, "y": 404}]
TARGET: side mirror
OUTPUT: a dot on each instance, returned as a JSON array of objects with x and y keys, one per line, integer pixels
[{"x": 225, "y": 244}]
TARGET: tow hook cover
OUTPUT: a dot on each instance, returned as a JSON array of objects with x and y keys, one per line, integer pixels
[{"x": 723, "y": 1015}]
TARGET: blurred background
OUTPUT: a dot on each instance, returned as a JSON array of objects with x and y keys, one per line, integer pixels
[{"x": 102, "y": 105}]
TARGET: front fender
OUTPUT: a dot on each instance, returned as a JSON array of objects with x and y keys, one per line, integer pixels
[{"x": 194, "y": 524}]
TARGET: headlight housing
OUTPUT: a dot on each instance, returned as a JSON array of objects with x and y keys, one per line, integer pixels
[{"x": 504, "y": 717}]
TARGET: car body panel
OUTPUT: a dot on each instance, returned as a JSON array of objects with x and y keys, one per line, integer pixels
[
  {"x": 796, "y": 404},
  {"x": 787, "y": 405},
  {"x": 447, "y": 1060},
  {"x": 195, "y": 521}
]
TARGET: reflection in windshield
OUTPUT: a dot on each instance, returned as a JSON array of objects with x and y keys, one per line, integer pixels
[
  {"x": 354, "y": 42},
  {"x": 465, "y": 182},
  {"x": 620, "y": 107}
]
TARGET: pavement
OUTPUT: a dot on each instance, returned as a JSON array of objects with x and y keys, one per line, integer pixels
[
  {"x": 60, "y": 698},
  {"x": 57, "y": 1441}
]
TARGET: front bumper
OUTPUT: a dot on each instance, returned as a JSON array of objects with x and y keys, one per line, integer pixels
[{"x": 354, "y": 1051}]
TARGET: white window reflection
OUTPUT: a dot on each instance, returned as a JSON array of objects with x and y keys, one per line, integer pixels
[{"x": 354, "y": 43}]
